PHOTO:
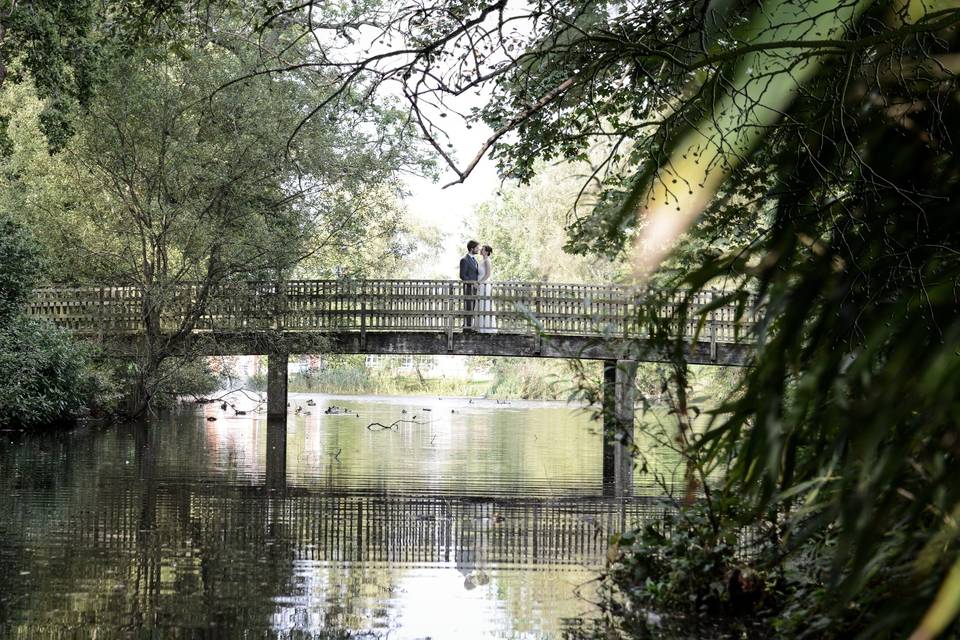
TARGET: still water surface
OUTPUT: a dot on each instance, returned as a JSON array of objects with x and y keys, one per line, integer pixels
[{"x": 472, "y": 520}]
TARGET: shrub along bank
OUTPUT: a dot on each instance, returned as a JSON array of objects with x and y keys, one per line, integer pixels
[{"x": 46, "y": 378}]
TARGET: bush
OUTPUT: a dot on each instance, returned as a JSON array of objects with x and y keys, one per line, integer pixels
[
  {"x": 19, "y": 267},
  {"x": 687, "y": 575},
  {"x": 48, "y": 378},
  {"x": 701, "y": 573}
]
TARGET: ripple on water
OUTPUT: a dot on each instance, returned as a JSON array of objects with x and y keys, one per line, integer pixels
[{"x": 477, "y": 523}]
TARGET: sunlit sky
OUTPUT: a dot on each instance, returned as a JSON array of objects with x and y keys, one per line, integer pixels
[{"x": 451, "y": 209}]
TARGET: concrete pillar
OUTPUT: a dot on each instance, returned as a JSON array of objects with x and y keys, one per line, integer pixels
[
  {"x": 277, "y": 386},
  {"x": 619, "y": 400}
]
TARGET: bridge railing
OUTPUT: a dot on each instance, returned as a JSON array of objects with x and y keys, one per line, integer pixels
[{"x": 378, "y": 305}]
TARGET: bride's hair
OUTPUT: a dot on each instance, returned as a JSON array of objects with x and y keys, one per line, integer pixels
[{"x": 488, "y": 249}]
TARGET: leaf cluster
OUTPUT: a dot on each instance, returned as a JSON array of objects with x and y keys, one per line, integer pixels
[
  {"x": 678, "y": 576},
  {"x": 19, "y": 267},
  {"x": 46, "y": 377}
]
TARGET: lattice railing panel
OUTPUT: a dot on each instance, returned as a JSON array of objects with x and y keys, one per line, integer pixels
[{"x": 378, "y": 305}]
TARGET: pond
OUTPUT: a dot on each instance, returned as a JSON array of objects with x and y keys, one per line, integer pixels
[{"x": 466, "y": 519}]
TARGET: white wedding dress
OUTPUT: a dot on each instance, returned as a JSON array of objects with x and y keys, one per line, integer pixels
[{"x": 486, "y": 323}]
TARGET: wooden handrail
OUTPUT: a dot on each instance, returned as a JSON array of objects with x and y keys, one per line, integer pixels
[{"x": 367, "y": 306}]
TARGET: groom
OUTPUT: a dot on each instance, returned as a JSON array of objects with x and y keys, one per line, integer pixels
[{"x": 469, "y": 272}]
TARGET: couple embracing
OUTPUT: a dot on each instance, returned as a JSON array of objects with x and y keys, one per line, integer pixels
[{"x": 475, "y": 271}]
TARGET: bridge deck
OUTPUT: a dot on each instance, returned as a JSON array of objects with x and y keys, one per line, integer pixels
[{"x": 394, "y": 316}]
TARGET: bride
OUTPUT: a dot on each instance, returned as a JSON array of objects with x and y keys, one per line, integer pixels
[{"x": 486, "y": 322}]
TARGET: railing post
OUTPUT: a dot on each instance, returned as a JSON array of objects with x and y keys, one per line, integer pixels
[
  {"x": 537, "y": 332},
  {"x": 363, "y": 317},
  {"x": 450, "y": 306}
]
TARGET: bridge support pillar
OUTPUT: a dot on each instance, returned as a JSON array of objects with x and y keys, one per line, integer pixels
[
  {"x": 277, "y": 386},
  {"x": 619, "y": 400},
  {"x": 276, "y": 471},
  {"x": 609, "y": 422}
]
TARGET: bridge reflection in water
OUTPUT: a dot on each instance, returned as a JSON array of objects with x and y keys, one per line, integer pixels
[
  {"x": 368, "y": 527},
  {"x": 256, "y": 561},
  {"x": 433, "y": 529},
  {"x": 127, "y": 533},
  {"x": 398, "y": 528}
]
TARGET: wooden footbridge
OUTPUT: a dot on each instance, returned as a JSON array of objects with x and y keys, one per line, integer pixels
[
  {"x": 392, "y": 317},
  {"x": 531, "y": 319}
]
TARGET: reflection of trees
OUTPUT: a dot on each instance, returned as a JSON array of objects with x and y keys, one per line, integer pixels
[
  {"x": 150, "y": 547},
  {"x": 112, "y": 525}
]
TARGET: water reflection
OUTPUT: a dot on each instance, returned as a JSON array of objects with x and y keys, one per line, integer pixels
[{"x": 216, "y": 528}]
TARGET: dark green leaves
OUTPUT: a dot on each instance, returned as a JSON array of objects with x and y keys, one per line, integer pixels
[
  {"x": 47, "y": 378},
  {"x": 19, "y": 267}
]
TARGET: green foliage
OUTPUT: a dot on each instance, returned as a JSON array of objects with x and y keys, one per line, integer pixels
[
  {"x": 182, "y": 170},
  {"x": 697, "y": 572},
  {"x": 48, "y": 378},
  {"x": 185, "y": 377},
  {"x": 528, "y": 379},
  {"x": 19, "y": 267},
  {"x": 68, "y": 48},
  {"x": 54, "y": 44},
  {"x": 65, "y": 48},
  {"x": 693, "y": 577},
  {"x": 509, "y": 378},
  {"x": 348, "y": 380},
  {"x": 849, "y": 415},
  {"x": 205, "y": 178}
]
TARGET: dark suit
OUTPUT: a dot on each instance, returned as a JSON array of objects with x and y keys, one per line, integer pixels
[{"x": 469, "y": 272}]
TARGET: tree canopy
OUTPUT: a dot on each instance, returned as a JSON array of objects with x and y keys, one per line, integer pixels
[
  {"x": 525, "y": 225},
  {"x": 181, "y": 172}
]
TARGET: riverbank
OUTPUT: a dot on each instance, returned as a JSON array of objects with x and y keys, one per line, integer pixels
[
  {"x": 454, "y": 401},
  {"x": 497, "y": 378}
]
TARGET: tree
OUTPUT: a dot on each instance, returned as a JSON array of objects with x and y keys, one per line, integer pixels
[
  {"x": 53, "y": 44},
  {"x": 390, "y": 246},
  {"x": 187, "y": 178},
  {"x": 19, "y": 267},
  {"x": 65, "y": 48},
  {"x": 45, "y": 377}
]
